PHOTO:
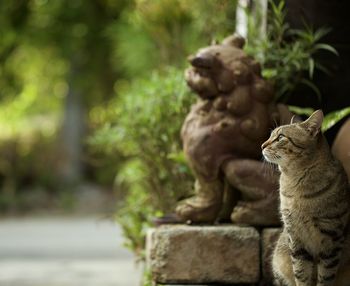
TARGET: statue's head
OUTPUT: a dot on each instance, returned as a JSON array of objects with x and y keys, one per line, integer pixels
[{"x": 220, "y": 67}]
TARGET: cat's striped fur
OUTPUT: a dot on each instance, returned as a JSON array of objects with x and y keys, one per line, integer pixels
[{"x": 313, "y": 248}]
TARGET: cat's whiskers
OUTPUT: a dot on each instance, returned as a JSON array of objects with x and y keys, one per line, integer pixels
[{"x": 269, "y": 168}]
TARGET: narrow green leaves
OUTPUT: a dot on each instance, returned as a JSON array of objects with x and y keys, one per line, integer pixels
[{"x": 334, "y": 117}]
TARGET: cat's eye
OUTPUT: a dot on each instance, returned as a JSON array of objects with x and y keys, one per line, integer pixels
[{"x": 280, "y": 137}]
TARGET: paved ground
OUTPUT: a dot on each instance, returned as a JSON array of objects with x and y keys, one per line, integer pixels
[{"x": 64, "y": 252}]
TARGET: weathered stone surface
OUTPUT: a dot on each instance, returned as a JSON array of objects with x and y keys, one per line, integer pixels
[
  {"x": 225, "y": 254},
  {"x": 269, "y": 238},
  {"x": 240, "y": 284}
]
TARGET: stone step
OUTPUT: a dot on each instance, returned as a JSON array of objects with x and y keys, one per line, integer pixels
[{"x": 201, "y": 255}]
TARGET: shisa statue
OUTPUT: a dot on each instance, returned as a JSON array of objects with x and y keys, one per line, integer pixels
[{"x": 223, "y": 133}]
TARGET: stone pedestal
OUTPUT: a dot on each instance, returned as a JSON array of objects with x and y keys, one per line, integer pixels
[
  {"x": 215, "y": 255},
  {"x": 224, "y": 254}
]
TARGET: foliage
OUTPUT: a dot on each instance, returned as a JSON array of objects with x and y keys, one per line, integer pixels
[
  {"x": 288, "y": 56},
  {"x": 329, "y": 120},
  {"x": 301, "y": 110},
  {"x": 143, "y": 128},
  {"x": 154, "y": 33},
  {"x": 46, "y": 48},
  {"x": 334, "y": 117},
  {"x": 140, "y": 130},
  {"x": 32, "y": 87},
  {"x": 13, "y": 19},
  {"x": 23, "y": 166},
  {"x": 77, "y": 31},
  {"x": 36, "y": 107},
  {"x": 147, "y": 278},
  {"x": 49, "y": 48}
]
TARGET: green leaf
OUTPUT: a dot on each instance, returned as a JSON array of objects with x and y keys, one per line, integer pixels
[
  {"x": 334, "y": 117},
  {"x": 269, "y": 73},
  {"x": 301, "y": 110},
  {"x": 311, "y": 67},
  {"x": 327, "y": 48},
  {"x": 320, "y": 33},
  {"x": 178, "y": 157}
]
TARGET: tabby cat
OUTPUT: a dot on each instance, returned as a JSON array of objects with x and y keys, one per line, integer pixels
[{"x": 314, "y": 246}]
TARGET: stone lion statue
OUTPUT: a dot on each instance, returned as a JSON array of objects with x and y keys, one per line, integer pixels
[{"x": 222, "y": 135}]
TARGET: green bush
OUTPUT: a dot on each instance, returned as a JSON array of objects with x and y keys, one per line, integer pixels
[
  {"x": 155, "y": 33},
  {"x": 142, "y": 130},
  {"x": 288, "y": 56},
  {"x": 50, "y": 48}
]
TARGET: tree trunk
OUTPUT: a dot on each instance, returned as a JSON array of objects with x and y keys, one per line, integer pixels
[{"x": 73, "y": 129}]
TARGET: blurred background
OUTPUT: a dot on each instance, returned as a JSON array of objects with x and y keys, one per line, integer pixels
[
  {"x": 85, "y": 88},
  {"x": 92, "y": 98},
  {"x": 68, "y": 68}
]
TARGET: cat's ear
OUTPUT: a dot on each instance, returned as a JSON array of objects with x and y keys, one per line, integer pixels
[
  {"x": 314, "y": 122},
  {"x": 295, "y": 119}
]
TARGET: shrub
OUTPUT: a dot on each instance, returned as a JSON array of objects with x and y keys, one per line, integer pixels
[
  {"x": 142, "y": 129},
  {"x": 288, "y": 56}
]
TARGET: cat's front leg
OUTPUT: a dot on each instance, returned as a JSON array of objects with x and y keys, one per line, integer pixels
[
  {"x": 303, "y": 265},
  {"x": 328, "y": 266}
]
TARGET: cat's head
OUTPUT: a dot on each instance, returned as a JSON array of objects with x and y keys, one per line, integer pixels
[{"x": 290, "y": 143}]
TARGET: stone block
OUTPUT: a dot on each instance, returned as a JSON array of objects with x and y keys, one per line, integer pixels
[
  {"x": 224, "y": 254},
  {"x": 269, "y": 238},
  {"x": 239, "y": 284}
]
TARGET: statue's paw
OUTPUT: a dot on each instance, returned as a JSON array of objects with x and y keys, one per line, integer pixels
[
  {"x": 244, "y": 213},
  {"x": 185, "y": 211},
  {"x": 197, "y": 211}
]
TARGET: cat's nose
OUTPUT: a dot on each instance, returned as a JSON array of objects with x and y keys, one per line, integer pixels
[{"x": 264, "y": 145}]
